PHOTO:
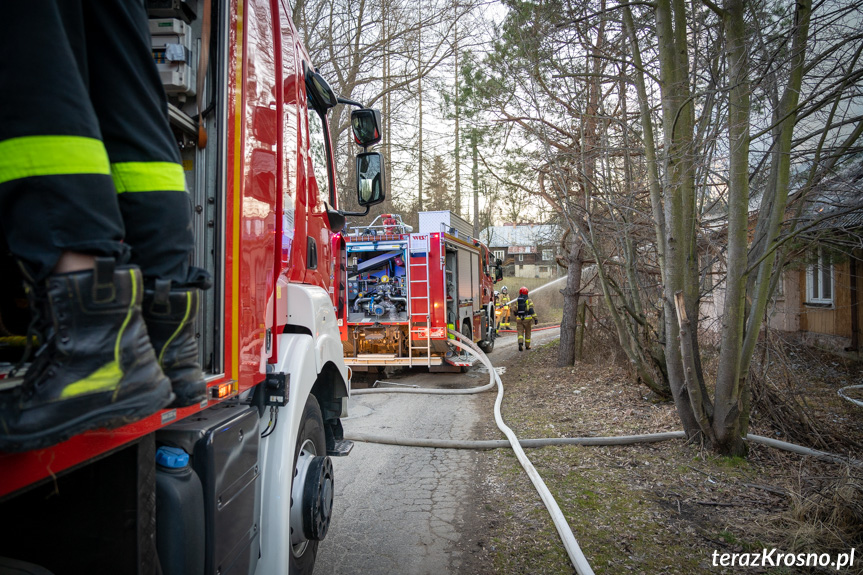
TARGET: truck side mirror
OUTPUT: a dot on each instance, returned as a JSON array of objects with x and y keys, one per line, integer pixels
[
  {"x": 370, "y": 179},
  {"x": 498, "y": 272},
  {"x": 322, "y": 95},
  {"x": 366, "y": 125}
]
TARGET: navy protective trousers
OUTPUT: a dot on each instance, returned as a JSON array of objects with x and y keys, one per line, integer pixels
[{"x": 88, "y": 162}]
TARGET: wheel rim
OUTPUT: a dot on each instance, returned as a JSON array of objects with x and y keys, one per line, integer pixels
[{"x": 307, "y": 452}]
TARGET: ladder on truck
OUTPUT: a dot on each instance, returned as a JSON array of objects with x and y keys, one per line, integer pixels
[{"x": 420, "y": 305}]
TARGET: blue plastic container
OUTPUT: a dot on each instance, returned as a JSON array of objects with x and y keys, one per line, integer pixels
[{"x": 179, "y": 514}]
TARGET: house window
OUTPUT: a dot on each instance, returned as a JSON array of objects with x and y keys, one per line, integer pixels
[
  {"x": 819, "y": 280},
  {"x": 547, "y": 254},
  {"x": 499, "y": 254},
  {"x": 521, "y": 257}
]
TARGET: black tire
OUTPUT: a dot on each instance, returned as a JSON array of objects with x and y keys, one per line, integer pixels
[
  {"x": 466, "y": 330},
  {"x": 311, "y": 435}
]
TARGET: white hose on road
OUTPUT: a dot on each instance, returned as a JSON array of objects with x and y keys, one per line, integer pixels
[
  {"x": 576, "y": 556},
  {"x": 427, "y": 390}
]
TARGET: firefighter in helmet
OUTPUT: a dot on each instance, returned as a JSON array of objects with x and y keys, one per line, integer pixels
[
  {"x": 503, "y": 303},
  {"x": 525, "y": 316},
  {"x": 94, "y": 208}
]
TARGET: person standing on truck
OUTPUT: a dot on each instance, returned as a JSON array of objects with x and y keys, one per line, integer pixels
[
  {"x": 94, "y": 208},
  {"x": 504, "y": 306},
  {"x": 525, "y": 314}
]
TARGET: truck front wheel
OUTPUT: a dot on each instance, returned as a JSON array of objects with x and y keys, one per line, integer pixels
[{"x": 311, "y": 490}]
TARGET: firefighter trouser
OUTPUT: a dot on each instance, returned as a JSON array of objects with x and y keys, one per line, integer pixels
[
  {"x": 523, "y": 325},
  {"x": 504, "y": 317},
  {"x": 88, "y": 162}
]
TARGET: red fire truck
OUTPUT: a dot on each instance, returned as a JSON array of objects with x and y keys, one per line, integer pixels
[
  {"x": 243, "y": 483},
  {"x": 405, "y": 289}
]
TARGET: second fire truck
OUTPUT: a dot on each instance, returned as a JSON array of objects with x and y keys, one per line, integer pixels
[{"x": 404, "y": 290}]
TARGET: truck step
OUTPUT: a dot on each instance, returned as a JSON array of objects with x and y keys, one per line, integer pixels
[{"x": 342, "y": 449}]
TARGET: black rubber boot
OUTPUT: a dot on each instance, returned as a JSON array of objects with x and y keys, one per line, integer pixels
[
  {"x": 170, "y": 315},
  {"x": 95, "y": 367},
  {"x": 519, "y": 346}
]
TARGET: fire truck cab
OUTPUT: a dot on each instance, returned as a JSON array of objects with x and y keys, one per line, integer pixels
[{"x": 241, "y": 483}]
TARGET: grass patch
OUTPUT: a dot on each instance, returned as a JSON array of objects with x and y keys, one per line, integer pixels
[{"x": 660, "y": 508}]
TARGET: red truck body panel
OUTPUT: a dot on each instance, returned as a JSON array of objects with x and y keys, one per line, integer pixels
[{"x": 267, "y": 172}]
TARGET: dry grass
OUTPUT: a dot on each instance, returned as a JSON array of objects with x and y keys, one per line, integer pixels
[
  {"x": 653, "y": 508},
  {"x": 825, "y": 513}
]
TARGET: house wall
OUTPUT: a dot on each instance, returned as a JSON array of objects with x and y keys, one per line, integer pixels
[
  {"x": 835, "y": 320},
  {"x": 783, "y": 313},
  {"x": 531, "y": 265},
  {"x": 541, "y": 270}
]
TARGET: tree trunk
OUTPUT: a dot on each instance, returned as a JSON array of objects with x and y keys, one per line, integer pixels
[
  {"x": 457, "y": 131},
  {"x": 579, "y": 334},
  {"x": 475, "y": 178},
  {"x": 420, "y": 94},
  {"x": 571, "y": 294},
  {"x": 678, "y": 136},
  {"x": 728, "y": 407},
  {"x": 771, "y": 219}
]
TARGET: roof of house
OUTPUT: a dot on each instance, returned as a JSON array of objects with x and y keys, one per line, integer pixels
[
  {"x": 837, "y": 201},
  {"x": 520, "y": 235}
]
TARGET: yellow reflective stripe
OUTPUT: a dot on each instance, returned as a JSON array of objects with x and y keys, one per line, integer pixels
[
  {"x": 103, "y": 379},
  {"x": 148, "y": 177},
  {"x": 109, "y": 375},
  {"x": 31, "y": 156},
  {"x": 179, "y": 328}
]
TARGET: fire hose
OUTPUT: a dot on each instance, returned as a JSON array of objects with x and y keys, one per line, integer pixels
[{"x": 576, "y": 556}]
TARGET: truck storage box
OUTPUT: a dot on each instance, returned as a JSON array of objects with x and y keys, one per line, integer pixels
[
  {"x": 444, "y": 220},
  {"x": 223, "y": 442}
]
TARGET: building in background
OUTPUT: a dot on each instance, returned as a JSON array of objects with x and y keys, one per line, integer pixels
[{"x": 527, "y": 250}]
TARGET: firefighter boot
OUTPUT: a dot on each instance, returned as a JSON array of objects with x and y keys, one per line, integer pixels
[
  {"x": 95, "y": 366},
  {"x": 170, "y": 315},
  {"x": 519, "y": 346}
]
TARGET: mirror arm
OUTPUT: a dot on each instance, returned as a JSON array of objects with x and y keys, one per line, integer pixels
[
  {"x": 349, "y": 102},
  {"x": 365, "y": 213}
]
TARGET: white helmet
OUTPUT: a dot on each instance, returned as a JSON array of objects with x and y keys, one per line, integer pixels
[
  {"x": 496, "y": 293},
  {"x": 503, "y": 289}
]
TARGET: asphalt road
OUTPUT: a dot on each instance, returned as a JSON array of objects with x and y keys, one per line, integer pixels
[{"x": 401, "y": 510}]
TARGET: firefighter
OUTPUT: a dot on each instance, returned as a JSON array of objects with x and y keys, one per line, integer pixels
[
  {"x": 525, "y": 314},
  {"x": 504, "y": 307},
  {"x": 94, "y": 208}
]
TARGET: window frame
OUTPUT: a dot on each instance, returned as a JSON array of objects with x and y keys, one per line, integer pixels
[
  {"x": 313, "y": 110},
  {"x": 815, "y": 274}
]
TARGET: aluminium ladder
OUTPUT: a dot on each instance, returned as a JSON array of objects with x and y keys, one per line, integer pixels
[{"x": 420, "y": 305}]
